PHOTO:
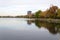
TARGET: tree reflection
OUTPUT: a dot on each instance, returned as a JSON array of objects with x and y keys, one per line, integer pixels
[{"x": 53, "y": 28}]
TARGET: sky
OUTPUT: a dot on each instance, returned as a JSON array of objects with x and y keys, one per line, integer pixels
[{"x": 20, "y": 7}]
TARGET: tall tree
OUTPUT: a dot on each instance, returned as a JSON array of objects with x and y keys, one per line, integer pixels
[
  {"x": 38, "y": 13},
  {"x": 52, "y": 12}
]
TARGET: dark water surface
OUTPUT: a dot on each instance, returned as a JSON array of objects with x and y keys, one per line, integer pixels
[{"x": 26, "y": 29}]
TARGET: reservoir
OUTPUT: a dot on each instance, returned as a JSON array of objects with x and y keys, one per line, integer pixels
[{"x": 28, "y": 29}]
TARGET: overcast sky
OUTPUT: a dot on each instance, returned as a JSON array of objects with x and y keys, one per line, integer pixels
[{"x": 20, "y": 7}]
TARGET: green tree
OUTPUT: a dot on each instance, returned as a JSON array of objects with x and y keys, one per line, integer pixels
[{"x": 38, "y": 13}]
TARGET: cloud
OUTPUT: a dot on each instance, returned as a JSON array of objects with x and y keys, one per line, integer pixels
[{"x": 19, "y": 7}]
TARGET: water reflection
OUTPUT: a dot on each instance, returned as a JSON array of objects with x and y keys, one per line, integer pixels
[
  {"x": 29, "y": 22},
  {"x": 53, "y": 28},
  {"x": 20, "y": 29}
]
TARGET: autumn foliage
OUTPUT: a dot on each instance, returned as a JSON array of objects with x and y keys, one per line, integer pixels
[{"x": 52, "y": 12}]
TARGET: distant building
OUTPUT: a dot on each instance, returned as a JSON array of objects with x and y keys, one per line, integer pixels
[{"x": 29, "y": 14}]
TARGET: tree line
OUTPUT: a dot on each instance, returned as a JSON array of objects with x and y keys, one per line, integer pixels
[{"x": 52, "y": 12}]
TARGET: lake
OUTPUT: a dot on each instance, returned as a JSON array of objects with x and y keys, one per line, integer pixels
[{"x": 28, "y": 29}]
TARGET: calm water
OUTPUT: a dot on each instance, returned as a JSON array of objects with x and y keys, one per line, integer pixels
[{"x": 26, "y": 29}]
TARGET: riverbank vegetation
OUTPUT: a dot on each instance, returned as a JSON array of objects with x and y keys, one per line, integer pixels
[{"x": 52, "y": 12}]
